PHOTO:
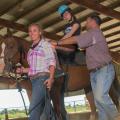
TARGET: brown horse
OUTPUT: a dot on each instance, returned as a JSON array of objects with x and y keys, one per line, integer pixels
[{"x": 14, "y": 53}]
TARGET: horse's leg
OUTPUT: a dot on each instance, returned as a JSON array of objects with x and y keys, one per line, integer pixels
[
  {"x": 115, "y": 92},
  {"x": 90, "y": 98},
  {"x": 55, "y": 96},
  {"x": 63, "y": 110},
  {"x": 115, "y": 97}
]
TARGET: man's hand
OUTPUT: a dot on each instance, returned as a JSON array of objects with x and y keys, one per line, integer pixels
[
  {"x": 54, "y": 43},
  {"x": 49, "y": 83}
]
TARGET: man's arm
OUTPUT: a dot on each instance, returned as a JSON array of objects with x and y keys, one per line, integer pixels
[
  {"x": 84, "y": 40},
  {"x": 68, "y": 41}
]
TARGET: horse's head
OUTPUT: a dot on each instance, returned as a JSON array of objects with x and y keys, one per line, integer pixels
[{"x": 9, "y": 54}]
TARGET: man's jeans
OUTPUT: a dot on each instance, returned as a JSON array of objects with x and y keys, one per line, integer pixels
[
  {"x": 101, "y": 81},
  {"x": 38, "y": 98}
]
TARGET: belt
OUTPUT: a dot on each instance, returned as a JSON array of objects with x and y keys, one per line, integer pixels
[
  {"x": 98, "y": 68},
  {"x": 38, "y": 75}
]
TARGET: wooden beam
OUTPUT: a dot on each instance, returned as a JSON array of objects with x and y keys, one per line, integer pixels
[
  {"x": 116, "y": 46},
  {"x": 110, "y": 27},
  {"x": 26, "y": 12},
  {"x": 112, "y": 34},
  {"x": 2, "y": 12},
  {"x": 112, "y": 41},
  {"x": 40, "y": 16},
  {"x": 23, "y": 14},
  {"x": 48, "y": 12},
  {"x": 107, "y": 19},
  {"x": 20, "y": 27},
  {"x": 118, "y": 50},
  {"x": 98, "y": 7}
]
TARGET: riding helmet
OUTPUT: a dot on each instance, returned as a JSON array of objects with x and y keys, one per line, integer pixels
[{"x": 62, "y": 9}]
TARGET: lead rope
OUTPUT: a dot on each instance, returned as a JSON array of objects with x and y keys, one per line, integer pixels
[{"x": 20, "y": 91}]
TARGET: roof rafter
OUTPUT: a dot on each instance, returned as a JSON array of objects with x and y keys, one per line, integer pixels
[
  {"x": 20, "y": 27},
  {"x": 36, "y": 19},
  {"x": 98, "y": 7},
  {"x": 116, "y": 46},
  {"x": 48, "y": 12},
  {"x": 11, "y": 7},
  {"x": 112, "y": 41},
  {"x": 26, "y": 13},
  {"x": 112, "y": 34}
]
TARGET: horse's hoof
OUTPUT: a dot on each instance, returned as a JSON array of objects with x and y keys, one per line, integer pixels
[{"x": 92, "y": 117}]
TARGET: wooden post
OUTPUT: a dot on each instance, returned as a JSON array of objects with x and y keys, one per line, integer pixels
[{"x": 6, "y": 114}]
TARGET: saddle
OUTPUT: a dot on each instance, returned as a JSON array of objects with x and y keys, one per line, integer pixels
[{"x": 72, "y": 58}]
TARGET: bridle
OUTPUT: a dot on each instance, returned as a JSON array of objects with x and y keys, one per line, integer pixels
[{"x": 11, "y": 64}]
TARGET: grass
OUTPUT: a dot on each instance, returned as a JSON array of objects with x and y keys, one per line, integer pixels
[
  {"x": 79, "y": 108},
  {"x": 21, "y": 113},
  {"x": 13, "y": 114}
]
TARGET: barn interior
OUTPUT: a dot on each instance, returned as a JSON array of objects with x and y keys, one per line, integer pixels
[{"x": 17, "y": 15}]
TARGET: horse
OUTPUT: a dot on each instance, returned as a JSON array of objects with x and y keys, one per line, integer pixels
[{"x": 15, "y": 51}]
